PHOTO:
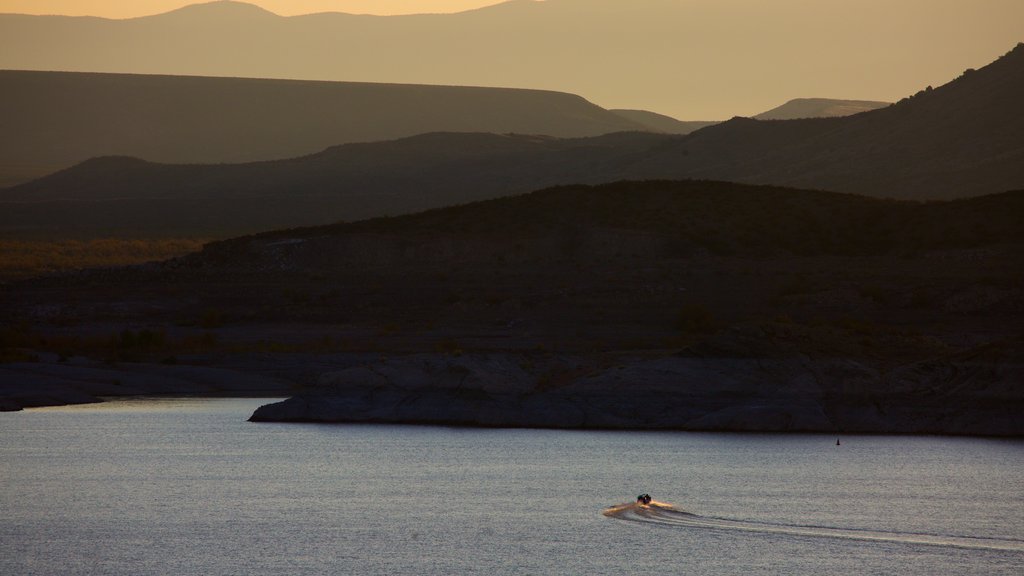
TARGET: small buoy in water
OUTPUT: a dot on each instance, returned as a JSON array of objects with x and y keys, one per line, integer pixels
[{"x": 837, "y": 441}]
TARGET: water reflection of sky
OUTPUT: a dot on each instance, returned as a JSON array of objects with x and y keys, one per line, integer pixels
[{"x": 188, "y": 486}]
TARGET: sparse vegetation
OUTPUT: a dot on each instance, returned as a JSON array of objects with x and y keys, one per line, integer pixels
[{"x": 25, "y": 258}]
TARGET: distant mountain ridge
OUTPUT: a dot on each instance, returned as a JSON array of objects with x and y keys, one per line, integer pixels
[
  {"x": 662, "y": 123},
  {"x": 187, "y": 119},
  {"x": 214, "y": 120},
  {"x": 791, "y": 110},
  {"x": 819, "y": 108},
  {"x": 228, "y": 9},
  {"x": 127, "y": 196}
]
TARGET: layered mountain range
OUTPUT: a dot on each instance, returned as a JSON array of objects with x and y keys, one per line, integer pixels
[
  {"x": 959, "y": 140},
  {"x": 199, "y": 120},
  {"x": 57, "y": 119}
]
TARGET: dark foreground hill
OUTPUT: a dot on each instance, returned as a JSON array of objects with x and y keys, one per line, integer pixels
[
  {"x": 643, "y": 220},
  {"x": 56, "y": 119},
  {"x": 959, "y": 140},
  {"x": 681, "y": 305}
]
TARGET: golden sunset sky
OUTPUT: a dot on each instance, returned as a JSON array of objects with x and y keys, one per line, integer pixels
[{"x": 134, "y": 8}]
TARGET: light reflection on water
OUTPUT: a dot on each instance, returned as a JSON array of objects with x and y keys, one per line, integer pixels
[{"x": 187, "y": 486}]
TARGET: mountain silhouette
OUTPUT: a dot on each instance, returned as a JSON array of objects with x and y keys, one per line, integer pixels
[
  {"x": 128, "y": 196},
  {"x": 964, "y": 138},
  {"x": 794, "y": 109},
  {"x": 207, "y": 120},
  {"x": 227, "y": 10},
  {"x": 959, "y": 140}
]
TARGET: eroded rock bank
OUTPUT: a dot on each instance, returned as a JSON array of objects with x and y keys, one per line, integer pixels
[
  {"x": 975, "y": 393},
  {"x": 774, "y": 377}
]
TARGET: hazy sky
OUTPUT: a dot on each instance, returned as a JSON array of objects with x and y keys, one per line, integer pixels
[
  {"x": 692, "y": 59},
  {"x": 132, "y": 8}
]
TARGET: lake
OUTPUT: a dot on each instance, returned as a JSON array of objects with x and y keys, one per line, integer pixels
[{"x": 187, "y": 486}]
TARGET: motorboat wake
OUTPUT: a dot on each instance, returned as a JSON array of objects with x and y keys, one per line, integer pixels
[{"x": 666, "y": 515}]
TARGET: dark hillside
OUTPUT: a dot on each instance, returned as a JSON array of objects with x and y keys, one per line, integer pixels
[
  {"x": 962, "y": 139},
  {"x": 742, "y": 252},
  {"x": 127, "y": 196}
]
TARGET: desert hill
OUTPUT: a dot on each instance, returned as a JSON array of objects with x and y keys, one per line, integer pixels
[
  {"x": 181, "y": 119},
  {"x": 819, "y": 108},
  {"x": 666, "y": 219},
  {"x": 661, "y": 123}
]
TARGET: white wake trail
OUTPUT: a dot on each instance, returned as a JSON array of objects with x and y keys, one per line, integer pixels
[{"x": 664, "y": 514}]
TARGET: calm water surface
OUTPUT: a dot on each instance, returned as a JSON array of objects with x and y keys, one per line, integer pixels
[{"x": 189, "y": 487}]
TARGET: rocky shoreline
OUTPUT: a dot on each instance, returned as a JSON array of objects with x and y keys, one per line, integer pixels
[
  {"x": 974, "y": 393},
  {"x": 768, "y": 378},
  {"x": 960, "y": 396}
]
